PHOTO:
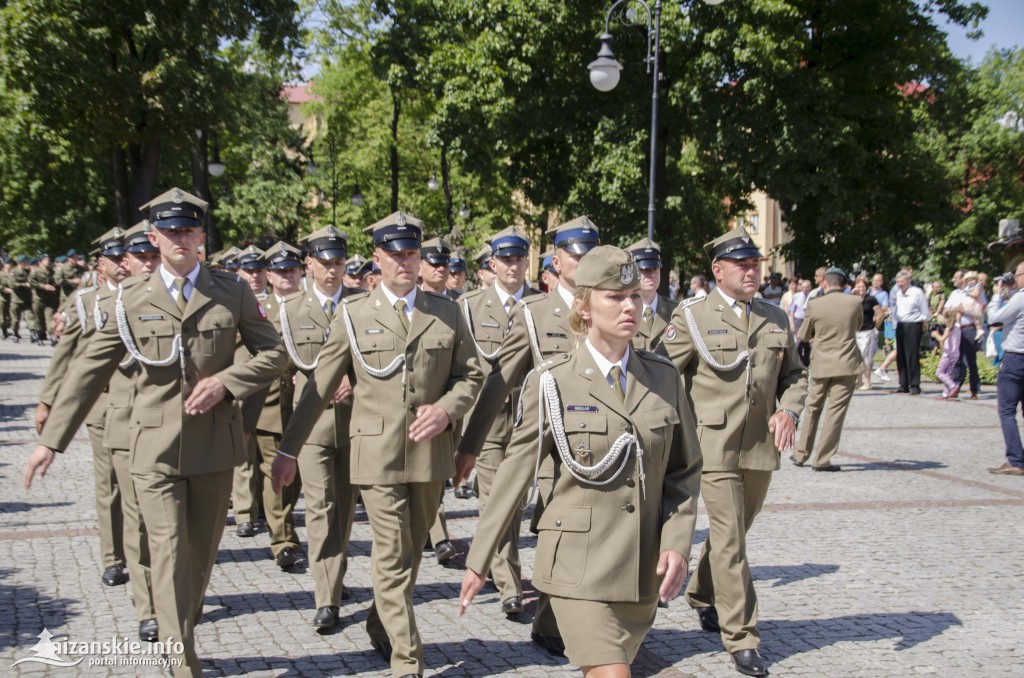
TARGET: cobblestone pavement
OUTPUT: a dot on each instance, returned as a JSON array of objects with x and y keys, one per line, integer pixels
[{"x": 906, "y": 563}]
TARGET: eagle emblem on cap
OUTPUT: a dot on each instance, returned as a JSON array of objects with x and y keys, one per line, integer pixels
[
  {"x": 283, "y": 247},
  {"x": 746, "y": 239},
  {"x": 626, "y": 274},
  {"x": 586, "y": 223},
  {"x": 177, "y": 195},
  {"x": 332, "y": 232},
  {"x": 118, "y": 232},
  {"x": 400, "y": 219}
]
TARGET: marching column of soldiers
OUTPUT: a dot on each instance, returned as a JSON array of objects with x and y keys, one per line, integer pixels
[{"x": 263, "y": 376}]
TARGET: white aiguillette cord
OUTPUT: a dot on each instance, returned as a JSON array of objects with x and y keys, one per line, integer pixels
[
  {"x": 551, "y": 402},
  {"x": 129, "y": 343},
  {"x": 702, "y": 349}
]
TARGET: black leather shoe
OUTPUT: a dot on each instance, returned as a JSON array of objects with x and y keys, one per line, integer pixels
[
  {"x": 114, "y": 575},
  {"x": 708, "y": 617},
  {"x": 830, "y": 467},
  {"x": 513, "y": 605},
  {"x": 382, "y": 648},
  {"x": 149, "y": 631},
  {"x": 245, "y": 530},
  {"x": 462, "y": 492},
  {"x": 796, "y": 462},
  {"x": 326, "y": 617},
  {"x": 346, "y": 594},
  {"x": 444, "y": 551},
  {"x": 749, "y": 663},
  {"x": 915, "y": 390},
  {"x": 286, "y": 558},
  {"x": 553, "y": 645}
]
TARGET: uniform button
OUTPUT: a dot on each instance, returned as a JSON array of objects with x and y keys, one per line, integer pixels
[
  {"x": 583, "y": 424},
  {"x": 629, "y": 508},
  {"x": 412, "y": 408},
  {"x": 375, "y": 344},
  {"x": 718, "y": 343},
  {"x": 558, "y": 523},
  {"x": 753, "y": 403},
  {"x": 630, "y": 482},
  {"x": 666, "y": 419},
  {"x": 412, "y": 389}
]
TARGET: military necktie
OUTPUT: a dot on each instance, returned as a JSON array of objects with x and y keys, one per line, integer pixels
[
  {"x": 329, "y": 308},
  {"x": 616, "y": 376},
  {"x": 509, "y": 303},
  {"x": 179, "y": 284},
  {"x": 400, "y": 306},
  {"x": 648, "y": 316}
]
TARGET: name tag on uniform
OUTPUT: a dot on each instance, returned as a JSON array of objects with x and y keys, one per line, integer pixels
[
  {"x": 144, "y": 318},
  {"x": 375, "y": 331},
  {"x": 776, "y": 330},
  {"x": 560, "y": 335},
  {"x": 718, "y": 331},
  {"x": 581, "y": 408},
  {"x": 492, "y": 325},
  {"x": 307, "y": 327}
]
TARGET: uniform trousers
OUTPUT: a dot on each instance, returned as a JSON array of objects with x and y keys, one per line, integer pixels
[
  {"x": 506, "y": 569},
  {"x": 837, "y": 392},
  {"x": 400, "y": 517},
  {"x": 278, "y": 508},
  {"x": 185, "y": 517},
  {"x": 1010, "y": 396},
  {"x": 136, "y": 539},
  {"x": 245, "y": 485},
  {"x": 908, "y": 354},
  {"x": 330, "y": 508},
  {"x": 722, "y": 577},
  {"x": 439, "y": 528},
  {"x": 109, "y": 513}
]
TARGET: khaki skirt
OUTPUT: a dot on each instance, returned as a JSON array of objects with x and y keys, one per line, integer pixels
[{"x": 596, "y": 632}]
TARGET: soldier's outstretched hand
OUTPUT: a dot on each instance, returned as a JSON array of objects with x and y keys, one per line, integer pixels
[
  {"x": 472, "y": 582},
  {"x": 781, "y": 424},
  {"x": 40, "y": 460}
]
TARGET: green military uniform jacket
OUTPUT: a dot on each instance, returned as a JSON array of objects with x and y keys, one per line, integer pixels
[
  {"x": 21, "y": 285},
  {"x": 277, "y": 402},
  {"x": 163, "y": 438},
  {"x": 516, "y": 358},
  {"x": 602, "y": 543},
  {"x": 44, "y": 276},
  {"x": 832, "y": 322},
  {"x": 732, "y": 418},
  {"x": 310, "y": 329},
  {"x": 64, "y": 277},
  {"x": 489, "y": 324},
  {"x": 649, "y": 335},
  {"x": 442, "y": 368}
]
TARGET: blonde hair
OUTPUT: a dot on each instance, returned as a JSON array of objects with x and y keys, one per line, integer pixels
[{"x": 581, "y": 299}]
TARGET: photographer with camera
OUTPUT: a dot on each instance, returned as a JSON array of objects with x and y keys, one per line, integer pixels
[{"x": 1007, "y": 309}]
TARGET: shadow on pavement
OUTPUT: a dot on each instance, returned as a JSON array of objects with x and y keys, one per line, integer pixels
[
  {"x": 20, "y": 506},
  {"x": 35, "y": 611},
  {"x": 788, "y": 574},
  {"x": 894, "y": 465},
  {"x": 911, "y": 628}
]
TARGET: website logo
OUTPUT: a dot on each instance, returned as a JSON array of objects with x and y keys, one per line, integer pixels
[{"x": 47, "y": 652}]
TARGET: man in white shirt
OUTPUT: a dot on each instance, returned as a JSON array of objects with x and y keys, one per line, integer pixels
[{"x": 909, "y": 313}]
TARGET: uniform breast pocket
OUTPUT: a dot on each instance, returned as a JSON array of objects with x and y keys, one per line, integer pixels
[
  {"x": 155, "y": 339},
  {"x": 216, "y": 333},
  {"x": 775, "y": 344},
  {"x": 563, "y": 544},
  {"x": 553, "y": 342},
  {"x": 661, "y": 421},
  {"x": 439, "y": 352},
  {"x": 377, "y": 349},
  {"x": 587, "y": 433},
  {"x": 723, "y": 347},
  {"x": 308, "y": 345}
]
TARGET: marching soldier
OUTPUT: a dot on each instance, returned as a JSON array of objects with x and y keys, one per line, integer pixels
[
  {"x": 21, "y": 298},
  {"x": 323, "y": 460},
  {"x": 657, "y": 308},
  {"x": 745, "y": 385},
  {"x": 483, "y": 266},
  {"x": 246, "y": 481},
  {"x": 284, "y": 269},
  {"x": 81, "y": 325},
  {"x": 488, "y": 312},
  {"x": 68, "y": 275},
  {"x": 548, "y": 274},
  {"x": 539, "y": 329},
  {"x": 456, "y": 282},
  {"x": 616, "y": 531},
  {"x": 415, "y": 372},
  {"x": 180, "y": 325},
  {"x": 356, "y": 269},
  {"x": 45, "y": 297},
  {"x": 832, "y": 322},
  {"x": 5, "y": 297}
]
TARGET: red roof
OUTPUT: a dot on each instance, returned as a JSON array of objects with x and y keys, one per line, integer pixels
[{"x": 298, "y": 94}]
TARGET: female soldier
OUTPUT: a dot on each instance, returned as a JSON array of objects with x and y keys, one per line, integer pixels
[{"x": 615, "y": 533}]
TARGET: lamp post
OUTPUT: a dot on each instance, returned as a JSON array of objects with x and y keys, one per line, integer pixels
[{"x": 605, "y": 72}]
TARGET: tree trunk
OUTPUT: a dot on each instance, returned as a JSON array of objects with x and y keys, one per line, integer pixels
[
  {"x": 122, "y": 194},
  {"x": 449, "y": 213},
  {"x": 395, "y": 112},
  {"x": 145, "y": 165},
  {"x": 198, "y": 151}
]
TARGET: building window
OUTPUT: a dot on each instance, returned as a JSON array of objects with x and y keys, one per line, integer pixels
[{"x": 751, "y": 222}]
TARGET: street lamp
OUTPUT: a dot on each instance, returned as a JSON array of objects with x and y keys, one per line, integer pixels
[
  {"x": 432, "y": 183},
  {"x": 605, "y": 71},
  {"x": 215, "y": 167},
  {"x": 357, "y": 196},
  {"x": 464, "y": 210}
]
